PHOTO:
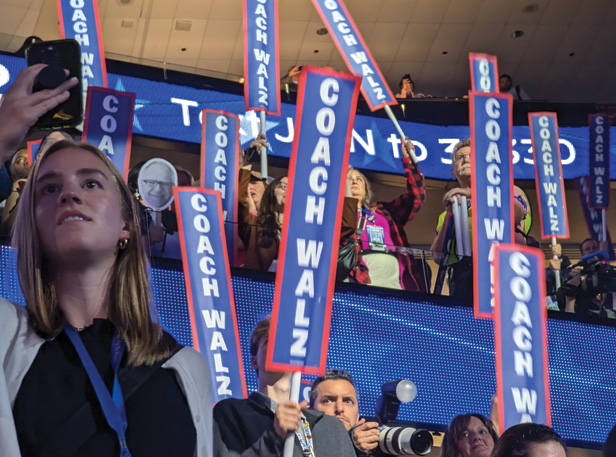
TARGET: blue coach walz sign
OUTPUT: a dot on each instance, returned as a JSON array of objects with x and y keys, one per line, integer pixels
[{"x": 174, "y": 112}]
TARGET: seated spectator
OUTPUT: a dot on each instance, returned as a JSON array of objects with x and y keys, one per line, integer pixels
[
  {"x": 19, "y": 170},
  {"x": 259, "y": 424},
  {"x": 380, "y": 261},
  {"x": 530, "y": 440},
  {"x": 469, "y": 435},
  {"x": 334, "y": 393},
  {"x": 264, "y": 229},
  {"x": 407, "y": 88},
  {"x": 505, "y": 85}
]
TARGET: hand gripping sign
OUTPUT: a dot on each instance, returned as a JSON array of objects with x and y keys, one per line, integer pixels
[
  {"x": 79, "y": 20},
  {"x": 520, "y": 336},
  {"x": 355, "y": 53},
  {"x": 492, "y": 188},
  {"x": 549, "y": 175},
  {"x": 599, "y": 185},
  {"x": 108, "y": 124},
  {"x": 219, "y": 166},
  {"x": 309, "y": 244},
  {"x": 261, "y": 62},
  {"x": 208, "y": 289},
  {"x": 484, "y": 72}
]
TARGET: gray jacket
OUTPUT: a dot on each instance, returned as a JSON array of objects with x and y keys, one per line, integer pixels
[
  {"x": 19, "y": 346},
  {"x": 246, "y": 429}
]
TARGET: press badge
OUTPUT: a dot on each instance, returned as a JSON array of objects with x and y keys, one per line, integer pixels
[{"x": 376, "y": 238}]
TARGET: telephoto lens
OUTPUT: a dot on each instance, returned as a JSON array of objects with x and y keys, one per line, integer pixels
[{"x": 405, "y": 441}]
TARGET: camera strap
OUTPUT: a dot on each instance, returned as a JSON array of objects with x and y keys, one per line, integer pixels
[
  {"x": 113, "y": 407},
  {"x": 304, "y": 435}
]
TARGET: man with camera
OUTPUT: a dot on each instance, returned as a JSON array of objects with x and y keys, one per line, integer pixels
[
  {"x": 258, "y": 426},
  {"x": 334, "y": 393},
  {"x": 591, "y": 291}
]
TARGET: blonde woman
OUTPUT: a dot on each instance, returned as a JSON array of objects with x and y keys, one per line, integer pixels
[{"x": 87, "y": 369}]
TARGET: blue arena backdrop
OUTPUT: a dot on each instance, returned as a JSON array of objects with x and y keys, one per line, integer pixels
[
  {"x": 385, "y": 336},
  {"x": 172, "y": 112}
]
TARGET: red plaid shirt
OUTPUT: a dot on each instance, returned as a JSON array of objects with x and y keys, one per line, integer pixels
[{"x": 398, "y": 212}]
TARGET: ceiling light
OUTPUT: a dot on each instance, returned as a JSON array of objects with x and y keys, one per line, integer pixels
[
  {"x": 124, "y": 2},
  {"x": 183, "y": 26},
  {"x": 322, "y": 31},
  {"x": 517, "y": 34},
  {"x": 530, "y": 8}
]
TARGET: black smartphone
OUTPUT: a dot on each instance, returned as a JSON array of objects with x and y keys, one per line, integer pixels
[{"x": 58, "y": 55}]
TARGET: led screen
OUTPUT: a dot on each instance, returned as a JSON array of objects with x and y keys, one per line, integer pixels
[{"x": 449, "y": 355}]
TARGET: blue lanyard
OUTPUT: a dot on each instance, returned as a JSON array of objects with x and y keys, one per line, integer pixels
[{"x": 113, "y": 408}]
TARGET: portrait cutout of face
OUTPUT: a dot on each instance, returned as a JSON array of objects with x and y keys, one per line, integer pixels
[{"x": 156, "y": 180}]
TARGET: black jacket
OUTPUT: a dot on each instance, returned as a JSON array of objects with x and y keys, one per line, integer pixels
[{"x": 246, "y": 428}]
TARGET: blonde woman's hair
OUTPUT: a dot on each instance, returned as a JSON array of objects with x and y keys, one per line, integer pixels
[
  {"x": 128, "y": 296},
  {"x": 368, "y": 195}
]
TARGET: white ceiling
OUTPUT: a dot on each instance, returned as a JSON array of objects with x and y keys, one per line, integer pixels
[{"x": 566, "y": 54}]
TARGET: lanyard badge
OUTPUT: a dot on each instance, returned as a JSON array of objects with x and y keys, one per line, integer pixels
[
  {"x": 306, "y": 444},
  {"x": 113, "y": 407}
]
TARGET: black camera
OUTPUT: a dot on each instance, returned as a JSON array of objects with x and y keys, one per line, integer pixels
[{"x": 598, "y": 276}]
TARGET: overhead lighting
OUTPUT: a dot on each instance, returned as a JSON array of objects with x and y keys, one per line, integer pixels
[
  {"x": 517, "y": 34},
  {"x": 183, "y": 26},
  {"x": 322, "y": 31},
  {"x": 530, "y": 8}
]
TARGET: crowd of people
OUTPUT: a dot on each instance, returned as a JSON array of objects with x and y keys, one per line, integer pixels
[
  {"x": 374, "y": 248},
  {"x": 87, "y": 356}
]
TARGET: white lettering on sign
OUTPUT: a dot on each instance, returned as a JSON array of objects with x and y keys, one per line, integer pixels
[
  {"x": 599, "y": 160},
  {"x": 550, "y": 189},
  {"x": 494, "y": 227},
  {"x": 309, "y": 250},
  {"x": 525, "y": 400},
  {"x": 262, "y": 57},
  {"x": 79, "y": 26},
  {"x": 214, "y": 320},
  {"x": 362, "y": 65},
  {"x": 108, "y": 124}
]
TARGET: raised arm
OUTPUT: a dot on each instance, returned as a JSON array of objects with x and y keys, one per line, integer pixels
[
  {"x": 404, "y": 208},
  {"x": 20, "y": 108}
]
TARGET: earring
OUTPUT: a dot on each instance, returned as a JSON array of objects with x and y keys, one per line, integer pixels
[{"x": 123, "y": 243}]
